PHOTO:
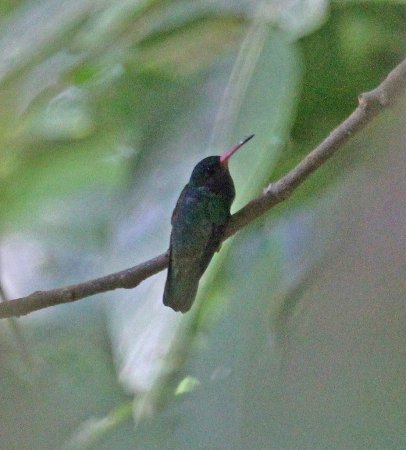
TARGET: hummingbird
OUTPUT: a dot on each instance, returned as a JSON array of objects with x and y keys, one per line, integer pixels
[{"x": 198, "y": 223}]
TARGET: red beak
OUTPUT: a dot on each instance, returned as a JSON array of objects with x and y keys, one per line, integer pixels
[{"x": 226, "y": 156}]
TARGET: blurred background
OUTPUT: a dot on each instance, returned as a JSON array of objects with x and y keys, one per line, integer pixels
[{"x": 297, "y": 339}]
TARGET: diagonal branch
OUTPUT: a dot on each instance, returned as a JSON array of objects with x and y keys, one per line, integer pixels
[{"x": 370, "y": 104}]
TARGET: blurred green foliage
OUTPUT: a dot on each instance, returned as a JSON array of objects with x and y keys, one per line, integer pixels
[{"x": 105, "y": 107}]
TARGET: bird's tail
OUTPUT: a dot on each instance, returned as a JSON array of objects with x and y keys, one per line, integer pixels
[{"x": 180, "y": 288}]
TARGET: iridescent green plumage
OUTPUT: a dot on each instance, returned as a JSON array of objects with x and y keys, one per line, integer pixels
[{"x": 198, "y": 223}]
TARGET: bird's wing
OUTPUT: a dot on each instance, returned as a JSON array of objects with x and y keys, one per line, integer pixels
[
  {"x": 211, "y": 247},
  {"x": 179, "y": 203},
  {"x": 188, "y": 243},
  {"x": 196, "y": 235}
]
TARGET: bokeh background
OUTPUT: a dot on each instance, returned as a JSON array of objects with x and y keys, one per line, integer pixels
[{"x": 297, "y": 339}]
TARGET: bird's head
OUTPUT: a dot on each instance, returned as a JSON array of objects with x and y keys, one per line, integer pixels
[{"x": 212, "y": 172}]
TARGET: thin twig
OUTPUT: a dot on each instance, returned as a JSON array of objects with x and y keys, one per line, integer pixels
[
  {"x": 18, "y": 334},
  {"x": 370, "y": 104}
]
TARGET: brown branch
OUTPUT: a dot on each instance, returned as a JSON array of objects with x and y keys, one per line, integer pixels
[
  {"x": 18, "y": 334},
  {"x": 370, "y": 104},
  {"x": 127, "y": 279}
]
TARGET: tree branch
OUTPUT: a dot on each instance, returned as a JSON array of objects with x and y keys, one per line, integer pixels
[{"x": 370, "y": 104}]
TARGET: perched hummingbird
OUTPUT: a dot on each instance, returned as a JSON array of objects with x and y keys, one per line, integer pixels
[{"x": 198, "y": 223}]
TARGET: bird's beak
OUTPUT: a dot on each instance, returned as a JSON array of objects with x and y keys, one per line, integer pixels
[{"x": 226, "y": 156}]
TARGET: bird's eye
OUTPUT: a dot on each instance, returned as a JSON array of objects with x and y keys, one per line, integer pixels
[{"x": 210, "y": 171}]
